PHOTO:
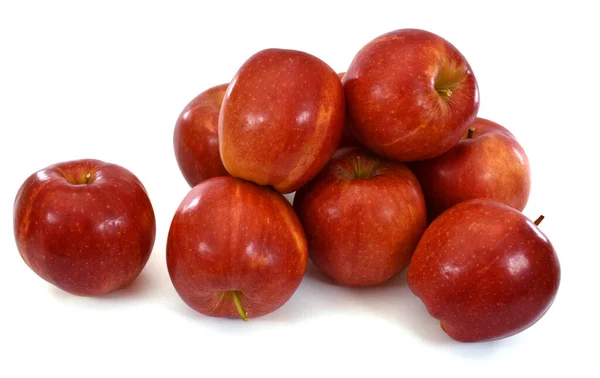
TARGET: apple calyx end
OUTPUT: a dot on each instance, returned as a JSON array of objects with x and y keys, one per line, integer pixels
[
  {"x": 539, "y": 220},
  {"x": 238, "y": 305}
]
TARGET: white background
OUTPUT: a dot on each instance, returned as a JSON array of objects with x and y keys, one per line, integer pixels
[{"x": 108, "y": 81}]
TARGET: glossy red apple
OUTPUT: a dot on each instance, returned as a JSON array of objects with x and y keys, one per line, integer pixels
[
  {"x": 281, "y": 119},
  {"x": 85, "y": 226},
  {"x": 411, "y": 95},
  {"x": 363, "y": 217},
  {"x": 484, "y": 270},
  {"x": 195, "y": 139},
  {"x": 235, "y": 249},
  {"x": 487, "y": 163},
  {"x": 347, "y": 140}
]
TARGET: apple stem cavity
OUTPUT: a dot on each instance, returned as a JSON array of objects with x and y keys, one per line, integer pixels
[
  {"x": 539, "y": 220},
  {"x": 470, "y": 132},
  {"x": 88, "y": 177},
  {"x": 238, "y": 306}
]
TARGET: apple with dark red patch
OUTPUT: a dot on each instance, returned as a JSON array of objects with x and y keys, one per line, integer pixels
[
  {"x": 85, "y": 226},
  {"x": 411, "y": 95},
  {"x": 485, "y": 271}
]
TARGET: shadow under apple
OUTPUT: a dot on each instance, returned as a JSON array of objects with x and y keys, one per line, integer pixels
[
  {"x": 319, "y": 296},
  {"x": 393, "y": 301}
]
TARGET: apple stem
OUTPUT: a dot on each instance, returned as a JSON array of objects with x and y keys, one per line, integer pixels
[
  {"x": 238, "y": 306},
  {"x": 444, "y": 92},
  {"x": 357, "y": 167},
  {"x": 470, "y": 132},
  {"x": 87, "y": 178},
  {"x": 539, "y": 220}
]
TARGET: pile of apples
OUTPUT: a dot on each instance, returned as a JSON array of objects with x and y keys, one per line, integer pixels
[{"x": 390, "y": 166}]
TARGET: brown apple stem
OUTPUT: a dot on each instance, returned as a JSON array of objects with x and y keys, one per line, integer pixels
[
  {"x": 357, "y": 168},
  {"x": 444, "y": 92},
  {"x": 470, "y": 132},
  {"x": 87, "y": 178},
  {"x": 238, "y": 306},
  {"x": 539, "y": 220}
]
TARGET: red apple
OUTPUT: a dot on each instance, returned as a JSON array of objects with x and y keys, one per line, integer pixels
[
  {"x": 195, "y": 138},
  {"x": 411, "y": 95},
  {"x": 363, "y": 217},
  {"x": 484, "y": 270},
  {"x": 347, "y": 140},
  {"x": 235, "y": 249},
  {"x": 487, "y": 163},
  {"x": 85, "y": 226},
  {"x": 281, "y": 119}
]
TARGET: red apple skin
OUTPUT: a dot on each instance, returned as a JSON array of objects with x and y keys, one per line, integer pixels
[
  {"x": 491, "y": 164},
  {"x": 86, "y": 238},
  {"x": 395, "y": 97},
  {"x": 363, "y": 217},
  {"x": 195, "y": 139},
  {"x": 347, "y": 140},
  {"x": 232, "y": 235},
  {"x": 281, "y": 119},
  {"x": 485, "y": 271}
]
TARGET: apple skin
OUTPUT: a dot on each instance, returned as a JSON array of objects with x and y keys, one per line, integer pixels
[
  {"x": 195, "y": 139},
  {"x": 232, "y": 235},
  {"x": 396, "y": 92},
  {"x": 86, "y": 238},
  {"x": 363, "y": 217},
  {"x": 281, "y": 119},
  {"x": 491, "y": 164},
  {"x": 347, "y": 140},
  {"x": 484, "y": 270}
]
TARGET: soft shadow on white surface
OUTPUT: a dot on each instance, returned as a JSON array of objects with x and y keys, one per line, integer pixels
[
  {"x": 394, "y": 302},
  {"x": 318, "y": 297}
]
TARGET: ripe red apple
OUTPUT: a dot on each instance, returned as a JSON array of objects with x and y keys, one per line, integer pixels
[
  {"x": 363, "y": 217},
  {"x": 484, "y": 270},
  {"x": 487, "y": 163},
  {"x": 195, "y": 138},
  {"x": 85, "y": 226},
  {"x": 411, "y": 95},
  {"x": 281, "y": 119},
  {"x": 235, "y": 249},
  {"x": 347, "y": 140}
]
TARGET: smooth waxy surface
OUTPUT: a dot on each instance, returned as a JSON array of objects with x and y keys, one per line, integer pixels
[
  {"x": 229, "y": 235},
  {"x": 484, "y": 270},
  {"x": 85, "y": 226},
  {"x": 411, "y": 95},
  {"x": 363, "y": 217},
  {"x": 281, "y": 119},
  {"x": 196, "y": 140},
  {"x": 491, "y": 164}
]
